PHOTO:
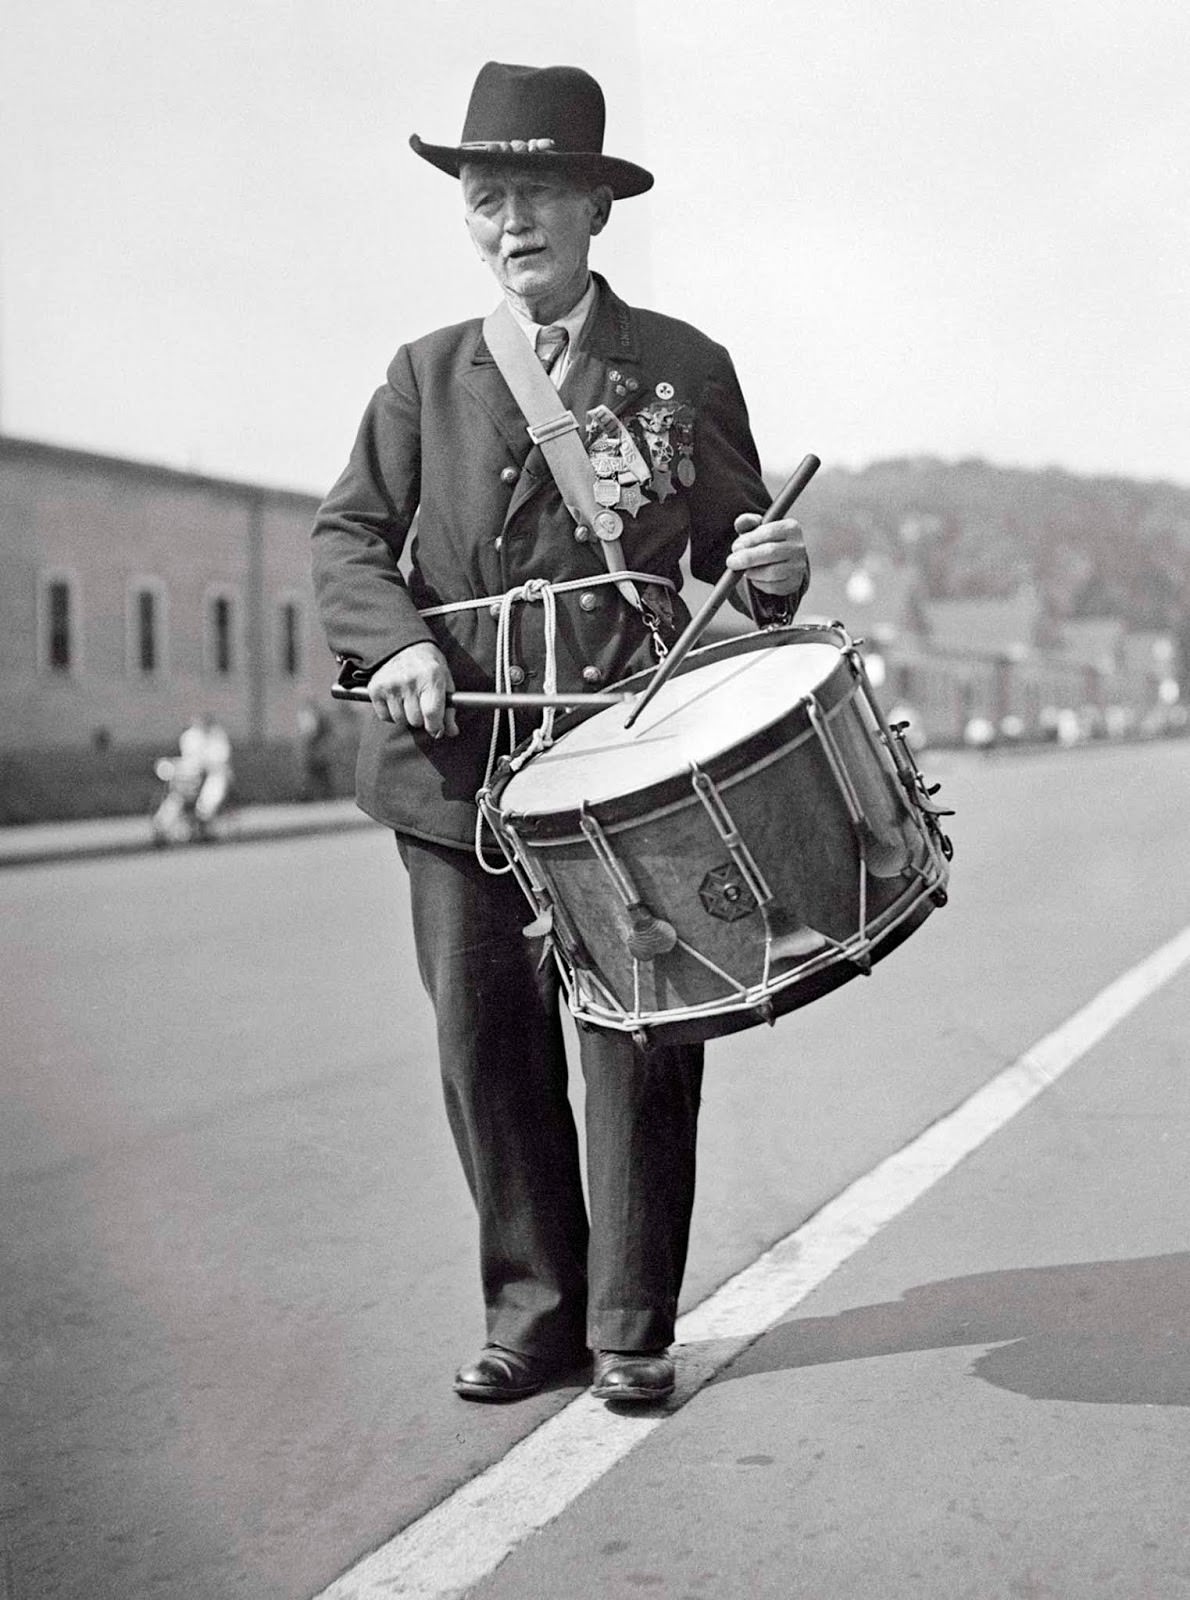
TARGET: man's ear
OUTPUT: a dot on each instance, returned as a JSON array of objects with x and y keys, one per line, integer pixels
[{"x": 601, "y": 208}]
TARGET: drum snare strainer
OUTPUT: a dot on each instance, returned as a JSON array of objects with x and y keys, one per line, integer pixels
[{"x": 755, "y": 839}]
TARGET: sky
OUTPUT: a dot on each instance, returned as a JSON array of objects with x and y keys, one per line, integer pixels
[{"x": 944, "y": 227}]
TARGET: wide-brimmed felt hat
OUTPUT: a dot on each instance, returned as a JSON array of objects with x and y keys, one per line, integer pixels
[{"x": 547, "y": 116}]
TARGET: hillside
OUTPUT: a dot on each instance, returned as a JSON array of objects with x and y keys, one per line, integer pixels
[{"x": 1095, "y": 546}]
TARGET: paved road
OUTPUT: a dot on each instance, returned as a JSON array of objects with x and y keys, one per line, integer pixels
[{"x": 239, "y": 1268}]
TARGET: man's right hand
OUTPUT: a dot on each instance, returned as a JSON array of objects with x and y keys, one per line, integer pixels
[{"x": 411, "y": 687}]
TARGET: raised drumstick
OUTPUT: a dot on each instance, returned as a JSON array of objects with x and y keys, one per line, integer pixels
[{"x": 695, "y": 628}]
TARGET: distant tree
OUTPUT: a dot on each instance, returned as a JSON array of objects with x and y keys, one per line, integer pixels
[{"x": 1093, "y": 546}]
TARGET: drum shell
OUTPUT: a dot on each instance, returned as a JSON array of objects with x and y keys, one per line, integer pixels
[{"x": 780, "y": 791}]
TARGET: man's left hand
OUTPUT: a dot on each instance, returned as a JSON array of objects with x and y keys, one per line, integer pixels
[{"x": 771, "y": 555}]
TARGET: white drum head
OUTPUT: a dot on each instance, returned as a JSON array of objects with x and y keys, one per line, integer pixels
[{"x": 694, "y": 717}]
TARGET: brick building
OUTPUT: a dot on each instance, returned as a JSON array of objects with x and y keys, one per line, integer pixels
[{"x": 133, "y": 597}]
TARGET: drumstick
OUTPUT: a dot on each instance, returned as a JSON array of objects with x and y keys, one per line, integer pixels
[
  {"x": 488, "y": 700},
  {"x": 697, "y": 625}
]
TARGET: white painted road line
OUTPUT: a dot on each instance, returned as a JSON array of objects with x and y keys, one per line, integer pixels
[{"x": 460, "y": 1541}]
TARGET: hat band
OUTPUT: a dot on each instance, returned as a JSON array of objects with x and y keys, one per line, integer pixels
[{"x": 512, "y": 147}]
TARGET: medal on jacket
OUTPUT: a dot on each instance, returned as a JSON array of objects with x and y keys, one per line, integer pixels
[
  {"x": 619, "y": 467},
  {"x": 656, "y": 421},
  {"x": 683, "y": 437},
  {"x": 667, "y": 427}
]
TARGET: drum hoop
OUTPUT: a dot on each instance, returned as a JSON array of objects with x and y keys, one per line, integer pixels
[
  {"x": 836, "y": 956},
  {"x": 790, "y": 729}
]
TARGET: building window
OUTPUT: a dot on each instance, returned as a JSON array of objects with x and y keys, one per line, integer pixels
[
  {"x": 146, "y": 628},
  {"x": 291, "y": 639},
  {"x": 221, "y": 635},
  {"x": 60, "y": 641},
  {"x": 146, "y": 631},
  {"x": 59, "y": 624}
]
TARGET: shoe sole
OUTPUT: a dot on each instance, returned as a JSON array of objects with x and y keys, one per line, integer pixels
[{"x": 490, "y": 1396}]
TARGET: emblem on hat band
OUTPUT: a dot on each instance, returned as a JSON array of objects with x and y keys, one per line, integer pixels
[{"x": 512, "y": 147}]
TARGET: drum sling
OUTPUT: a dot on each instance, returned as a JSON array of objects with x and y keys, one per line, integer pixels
[{"x": 555, "y": 431}]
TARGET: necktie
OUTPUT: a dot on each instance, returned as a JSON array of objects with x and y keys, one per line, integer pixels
[{"x": 550, "y": 344}]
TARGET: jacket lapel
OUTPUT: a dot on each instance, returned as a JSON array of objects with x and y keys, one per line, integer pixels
[{"x": 605, "y": 369}]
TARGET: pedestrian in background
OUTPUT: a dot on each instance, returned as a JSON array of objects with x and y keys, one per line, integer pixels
[
  {"x": 198, "y": 783},
  {"x": 315, "y": 740}
]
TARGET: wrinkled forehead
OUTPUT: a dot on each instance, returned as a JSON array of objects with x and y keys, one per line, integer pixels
[{"x": 512, "y": 175}]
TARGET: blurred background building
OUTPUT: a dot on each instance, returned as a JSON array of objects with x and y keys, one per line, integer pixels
[
  {"x": 134, "y": 597},
  {"x": 986, "y": 671}
]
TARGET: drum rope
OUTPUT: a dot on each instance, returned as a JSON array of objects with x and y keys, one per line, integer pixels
[
  {"x": 541, "y": 591},
  {"x": 594, "y": 580},
  {"x": 535, "y": 590}
]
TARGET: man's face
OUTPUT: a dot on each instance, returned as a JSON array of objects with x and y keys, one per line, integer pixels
[{"x": 534, "y": 231}]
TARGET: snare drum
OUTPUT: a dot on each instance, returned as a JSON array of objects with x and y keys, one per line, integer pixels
[{"x": 756, "y": 838}]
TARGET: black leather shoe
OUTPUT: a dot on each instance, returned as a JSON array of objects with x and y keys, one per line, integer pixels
[
  {"x": 499, "y": 1374},
  {"x": 637, "y": 1376}
]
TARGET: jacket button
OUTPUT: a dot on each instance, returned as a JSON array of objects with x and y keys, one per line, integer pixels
[
  {"x": 592, "y": 675},
  {"x": 589, "y": 601},
  {"x": 509, "y": 475},
  {"x": 516, "y": 674},
  {"x": 582, "y": 533}
]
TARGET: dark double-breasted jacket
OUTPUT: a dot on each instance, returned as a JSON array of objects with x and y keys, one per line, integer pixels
[{"x": 444, "y": 441}]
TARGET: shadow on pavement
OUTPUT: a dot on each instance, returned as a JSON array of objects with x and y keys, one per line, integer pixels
[{"x": 1106, "y": 1332}]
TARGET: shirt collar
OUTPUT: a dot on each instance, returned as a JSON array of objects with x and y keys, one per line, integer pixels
[{"x": 573, "y": 321}]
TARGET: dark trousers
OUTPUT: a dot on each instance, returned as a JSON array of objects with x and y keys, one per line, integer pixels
[{"x": 552, "y": 1280}]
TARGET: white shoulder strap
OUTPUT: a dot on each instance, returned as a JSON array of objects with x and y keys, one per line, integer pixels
[{"x": 555, "y": 429}]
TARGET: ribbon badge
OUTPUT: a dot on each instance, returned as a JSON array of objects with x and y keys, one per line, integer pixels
[{"x": 620, "y": 469}]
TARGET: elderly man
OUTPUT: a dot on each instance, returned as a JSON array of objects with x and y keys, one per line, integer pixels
[{"x": 672, "y": 464}]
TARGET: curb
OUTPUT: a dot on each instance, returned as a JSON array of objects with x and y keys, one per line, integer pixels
[{"x": 91, "y": 841}]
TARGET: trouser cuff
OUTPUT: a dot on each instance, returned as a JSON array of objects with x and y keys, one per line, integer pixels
[
  {"x": 548, "y": 1338},
  {"x": 631, "y": 1328}
]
